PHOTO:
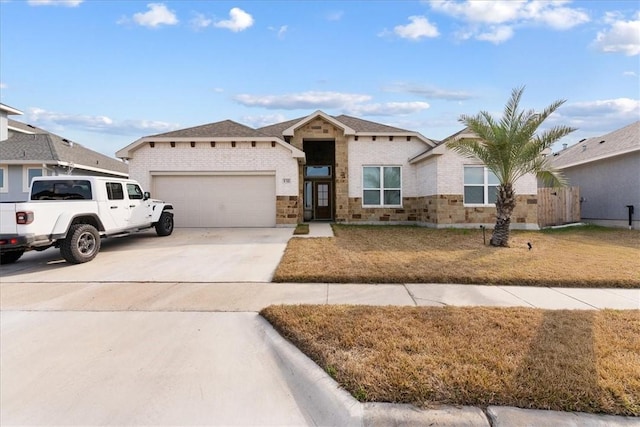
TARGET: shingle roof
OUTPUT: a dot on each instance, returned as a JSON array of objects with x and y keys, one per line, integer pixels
[
  {"x": 277, "y": 129},
  {"x": 614, "y": 143},
  {"x": 225, "y": 128},
  {"x": 24, "y": 127},
  {"x": 47, "y": 147},
  {"x": 359, "y": 125}
]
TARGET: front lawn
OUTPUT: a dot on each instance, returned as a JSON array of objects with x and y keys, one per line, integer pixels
[
  {"x": 570, "y": 257},
  {"x": 566, "y": 360}
]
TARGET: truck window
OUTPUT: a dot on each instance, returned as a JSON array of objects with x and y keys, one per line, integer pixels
[
  {"x": 134, "y": 191},
  {"x": 63, "y": 189},
  {"x": 114, "y": 191}
]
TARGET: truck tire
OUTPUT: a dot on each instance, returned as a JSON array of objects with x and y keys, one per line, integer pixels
[
  {"x": 81, "y": 245},
  {"x": 9, "y": 257},
  {"x": 164, "y": 226}
]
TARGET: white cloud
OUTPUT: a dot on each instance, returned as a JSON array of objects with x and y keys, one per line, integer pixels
[
  {"x": 495, "y": 21},
  {"x": 263, "y": 120},
  {"x": 418, "y": 28},
  {"x": 349, "y": 103},
  {"x": 387, "y": 108},
  {"x": 335, "y": 16},
  {"x": 599, "y": 114},
  {"x": 429, "y": 92},
  {"x": 280, "y": 31},
  {"x": 496, "y": 34},
  {"x": 68, "y": 3},
  {"x": 3, "y": 85},
  {"x": 157, "y": 15},
  {"x": 630, "y": 74},
  {"x": 312, "y": 99},
  {"x": 621, "y": 36},
  {"x": 560, "y": 18},
  {"x": 239, "y": 20},
  {"x": 105, "y": 124},
  {"x": 200, "y": 21},
  {"x": 488, "y": 12}
]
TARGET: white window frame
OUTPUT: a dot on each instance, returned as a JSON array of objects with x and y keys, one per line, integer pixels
[
  {"x": 25, "y": 176},
  {"x": 4, "y": 170},
  {"x": 382, "y": 187},
  {"x": 485, "y": 185}
]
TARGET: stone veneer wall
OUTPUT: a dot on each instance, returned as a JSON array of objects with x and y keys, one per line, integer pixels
[
  {"x": 446, "y": 210},
  {"x": 287, "y": 210},
  {"x": 318, "y": 129},
  {"x": 409, "y": 212}
]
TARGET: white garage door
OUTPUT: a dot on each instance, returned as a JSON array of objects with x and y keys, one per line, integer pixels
[{"x": 219, "y": 200}]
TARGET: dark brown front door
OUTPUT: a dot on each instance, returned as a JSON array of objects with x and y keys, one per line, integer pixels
[{"x": 322, "y": 199}]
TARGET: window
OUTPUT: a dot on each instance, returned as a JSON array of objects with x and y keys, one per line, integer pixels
[
  {"x": 317, "y": 171},
  {"x": 62, "y": 189},
  {"x": 114, "y": 191},
  {"x": 4, "y": 183},
  {"x": 134, "y": 191},
  {"x": 381, "y": 186},
  {"x": 480, "y": 186},
  {"x": 28, "y": 175}
]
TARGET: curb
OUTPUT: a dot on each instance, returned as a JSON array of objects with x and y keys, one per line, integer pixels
[{"x": 326, "y": 404}]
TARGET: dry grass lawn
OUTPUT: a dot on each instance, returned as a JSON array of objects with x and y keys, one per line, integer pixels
[
  {"x": 586, "y": 361},
  {"x": 570, "y": 257}
]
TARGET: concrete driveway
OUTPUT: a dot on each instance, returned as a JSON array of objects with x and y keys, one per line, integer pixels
[{"x": 188, "y": 255}]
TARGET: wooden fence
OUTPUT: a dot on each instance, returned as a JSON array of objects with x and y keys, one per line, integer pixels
[{"x": 557, "y": 206}]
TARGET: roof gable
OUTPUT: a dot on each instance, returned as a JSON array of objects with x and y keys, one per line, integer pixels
[
  {"x": 291, "y": 129},
  {"x": 621, "y": 141}
]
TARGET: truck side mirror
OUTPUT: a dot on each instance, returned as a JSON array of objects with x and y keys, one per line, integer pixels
[{"x": 146, "y": 195}]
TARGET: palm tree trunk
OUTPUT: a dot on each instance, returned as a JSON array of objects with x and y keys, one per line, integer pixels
[{"x": 505, "y": 203}]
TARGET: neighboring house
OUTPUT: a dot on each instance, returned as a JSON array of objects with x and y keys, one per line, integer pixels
[
  {"x": 607, "y": 171},
  {"x": 27, "y": 151},
  {"x": 319, "y": 168}
]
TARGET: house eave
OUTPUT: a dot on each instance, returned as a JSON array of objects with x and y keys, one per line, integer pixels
[
  {"x": 10, "y": 110},
  {"x": 598, "y": 158},
  {"x": 51, "y": 163},
  {"x": 127, "y": 152}
]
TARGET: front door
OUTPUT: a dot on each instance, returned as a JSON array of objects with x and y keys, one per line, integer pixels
[{"x": 322, "y": 200}]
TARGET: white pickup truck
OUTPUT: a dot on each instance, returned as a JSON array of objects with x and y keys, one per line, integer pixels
[{"x": 74, "y": 212}]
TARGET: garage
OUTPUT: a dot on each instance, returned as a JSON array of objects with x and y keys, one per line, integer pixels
[{"x": 219, "y": 200}]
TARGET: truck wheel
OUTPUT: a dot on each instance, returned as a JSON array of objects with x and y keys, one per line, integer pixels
[
  {"x": 81, "y": 245},
  {"x": 10, "y": 257},
  {"x": 164, "y": 226}
]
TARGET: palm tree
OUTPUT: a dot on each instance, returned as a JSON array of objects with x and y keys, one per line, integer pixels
[{"x": 510, "y": 148}]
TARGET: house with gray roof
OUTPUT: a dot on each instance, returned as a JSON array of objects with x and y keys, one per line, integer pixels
[
  {"x": 27, "y": 151},
  {"x": 607, "y": 171},
  {"x": 317, "y": 168}
]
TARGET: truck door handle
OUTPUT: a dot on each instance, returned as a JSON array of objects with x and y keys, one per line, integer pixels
[
  {"x": 132, "y": 206},
  {"x": 114, "y": 207}
]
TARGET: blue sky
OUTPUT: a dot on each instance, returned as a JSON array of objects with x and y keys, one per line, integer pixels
[{"x": 105, "y": 73}]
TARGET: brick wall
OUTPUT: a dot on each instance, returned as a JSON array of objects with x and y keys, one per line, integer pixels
[{"x": 221, "y": 158}]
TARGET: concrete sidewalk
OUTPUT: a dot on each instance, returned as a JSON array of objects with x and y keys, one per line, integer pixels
[{"x": 244, "y": 297}]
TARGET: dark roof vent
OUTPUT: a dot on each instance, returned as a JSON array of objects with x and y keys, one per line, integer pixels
[
  {"x": 31, "y": 126},
  {"x": 583, "y": 139},
  {"x": 602, "y": 142}
]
